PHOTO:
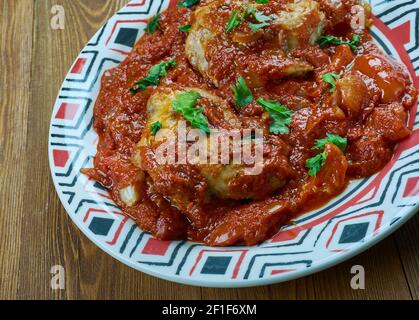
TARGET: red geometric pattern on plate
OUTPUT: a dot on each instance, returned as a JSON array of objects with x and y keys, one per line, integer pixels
[
  {"x": 60, "y": 157},
  {"x": 274, "y": 272},
  {"x": 67, "y": 111},
  {"x": 135, "y": 4},
  {"x": 78, "y": 66},
  {"x": 286, "y": 235},
  {"x": 403, "y": 31},
  {"x": 412, "y": 187},
  {"x": 156, "y": 247}
]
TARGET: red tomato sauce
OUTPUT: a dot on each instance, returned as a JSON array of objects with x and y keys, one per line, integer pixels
[{"x": 369, "y": 107}]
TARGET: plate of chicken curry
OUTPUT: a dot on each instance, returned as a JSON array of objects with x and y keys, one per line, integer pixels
[{"x": 237, "y": 143}]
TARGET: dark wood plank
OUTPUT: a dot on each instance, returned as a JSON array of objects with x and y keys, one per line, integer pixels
[
  {"x": 384, "y": 277},
  {"x": 407, "y": 241},
  {"x": 50, "y": 236},
  {"x": 16, "y": 22}
]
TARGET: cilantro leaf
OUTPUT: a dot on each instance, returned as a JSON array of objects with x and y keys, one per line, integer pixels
[
  {"x": 251, "y": 10},
  {"x": 356, "y": 40},
  {"x": 155, "y": 127},
  {"x": 337, "y": 140},
  {"x": 185, "y": 104},
  {"x": 315, "y": 163},
  {"x": 187, "y": 3},
  {"x": 237, "y": 16},
  {"x": 154, "y": 74},
  {"x": 280, "y": 115},
  {"x": 325, "y": 40},
  {"x": 234, "y": 20},
  {"x": 331, "y": 78},
  {"x": 260, "y": 17},
  {"x": 153, "y": 25},
  {"x": 185, "y": 28},
  {"x": 242, "y": 93},
  {"x": 257, "y": 26},
  {"x": 262, "y": 1}
]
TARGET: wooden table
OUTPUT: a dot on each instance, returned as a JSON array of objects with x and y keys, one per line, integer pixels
[{"x": 35, "y": 231}]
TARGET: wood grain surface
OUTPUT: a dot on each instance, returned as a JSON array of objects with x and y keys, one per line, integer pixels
[{"x": 35, "y": 231}]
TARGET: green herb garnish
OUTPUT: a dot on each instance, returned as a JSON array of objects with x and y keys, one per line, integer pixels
[
  {"x": 154, "y": 75},
  {"x": 155, "y": 127},
  {"x": 237, "y": 16},
  {"x": 325, "y": 40},
  {"x": 262, "y": 1},
  {"x": 187, "y": 3},
  {"x": 280, "y": 115},
  {"x": 257, "y": 26},
  {"x": 315, "y": 163},
  {"x": 337, "y": 140},
  {"x": 185, "y": 28},
  {"x": 260, "y": 17},
  {"x": 185, "y": 103},
  {"x": 153, "y": 25},
  {"x": 242, "y": 93},
  {"x": 331, "y": 78},
  {"x": 234, "y": 20},
  {"x": 251, "y": 10}
]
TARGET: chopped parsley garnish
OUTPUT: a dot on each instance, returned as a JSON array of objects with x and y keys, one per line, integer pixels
[
  {"x": 154, "y": 75},
  {"x": 257, "y": 26},
  {"x": 262, "y": 1},
  {"x": 280, "y": 115},
  {"x": 153, "y": 25},
  {"x": 187, "y": 3},
  {"x": 237, "y": 16},
  {"x": 155, "y": 127},
  {"x": 185, "y": 28},
  {"x": 337, "y": 140},
  {"x": 315, "y": 163},
  {"x": 260, "y": 17},
  {"x": 242, "y": 93},
  {"x": 234, "y": 21},
  {"x": 331, "y": 78},
  {"x": 251, "y": 10},
  {"x": 185, "y": 103},
  {"x": 325, "y": 40}
]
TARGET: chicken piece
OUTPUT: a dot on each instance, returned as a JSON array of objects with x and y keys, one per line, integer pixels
[
  {"x": 249, "y": 224},
  {"x": 293, "y": 25},
  {"x": 390, "y": 122},
  {"x": 190, "y": 185},
  {"x": 301, "y": 23},
  {"x": 329, "y": 181},
  {"x": 196, "y": 42},
  {"x": 353, "y": 94},
  {"x": 389, "y": 75}
]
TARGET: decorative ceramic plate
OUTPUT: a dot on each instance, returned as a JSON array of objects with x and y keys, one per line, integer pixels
[{"x": 369, "y": 209}]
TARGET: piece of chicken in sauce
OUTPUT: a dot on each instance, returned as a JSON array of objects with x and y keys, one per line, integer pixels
[
  {"x": 192, "y": 184},
  {"x": 261, "y": 55}
]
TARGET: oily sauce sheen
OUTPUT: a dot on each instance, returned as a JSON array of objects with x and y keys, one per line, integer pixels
[{"x": 281, "y": 62}]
